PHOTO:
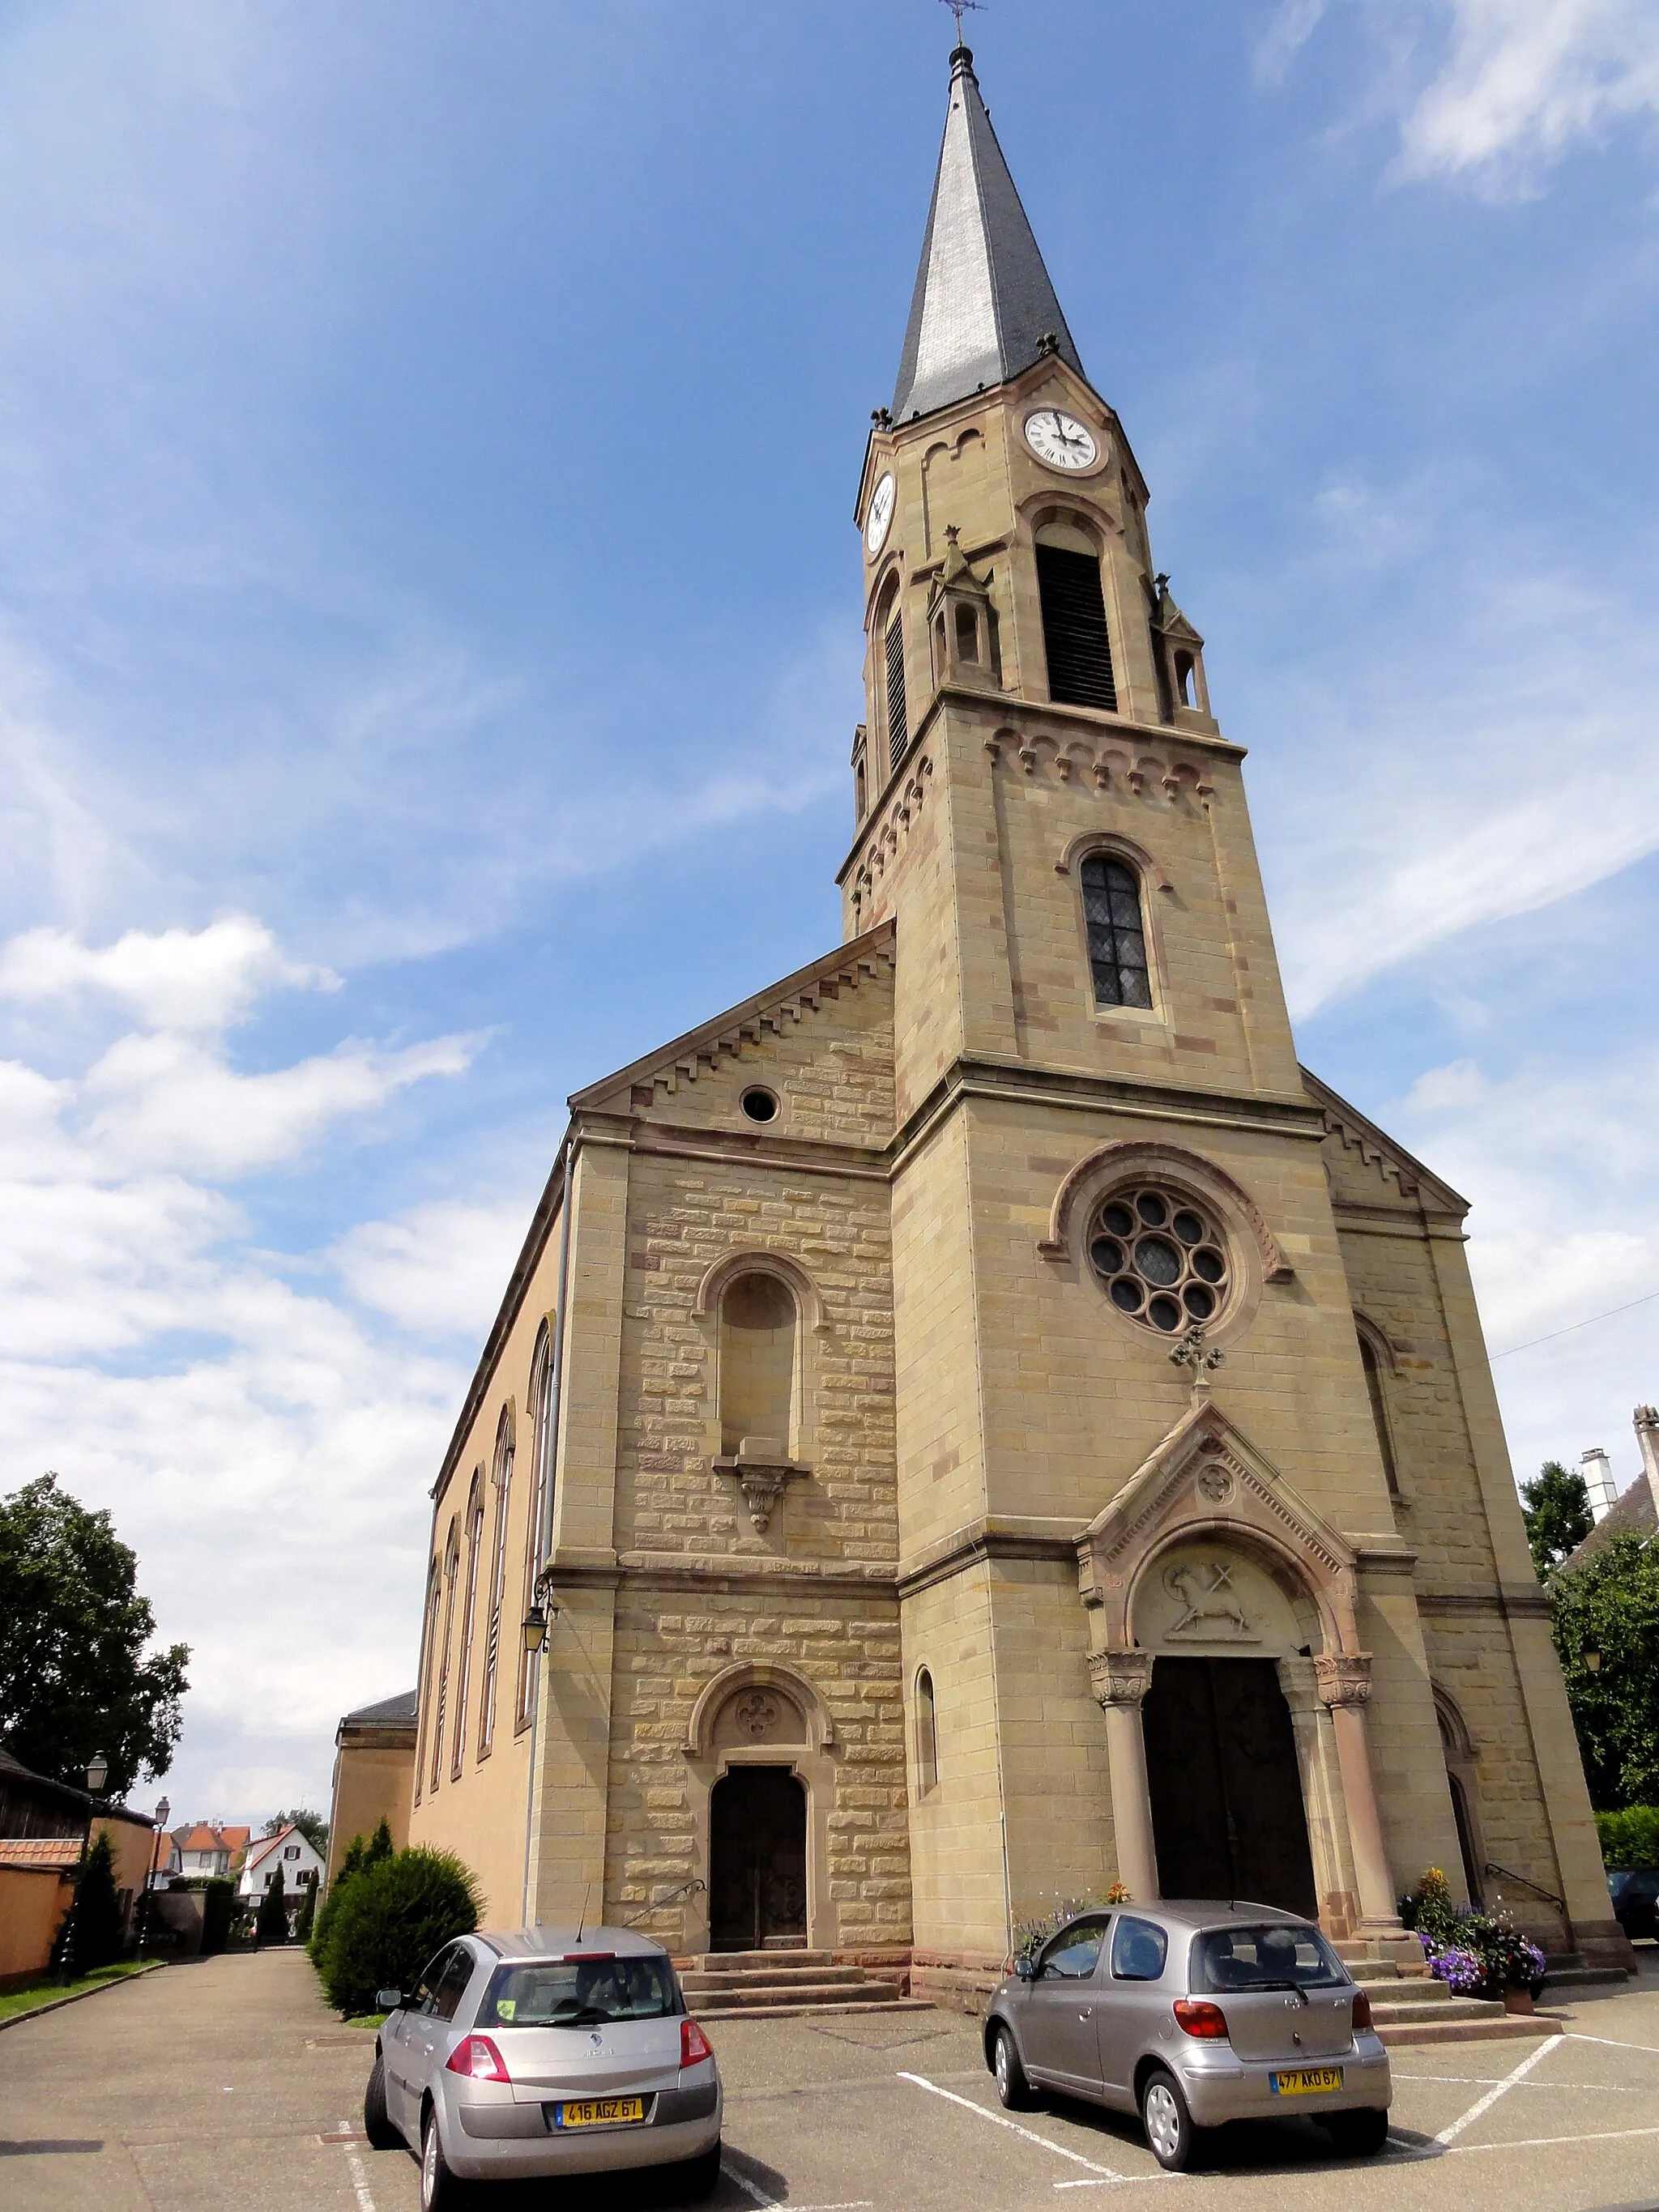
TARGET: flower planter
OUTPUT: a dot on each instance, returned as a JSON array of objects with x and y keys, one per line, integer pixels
[{"x": 1518, "y": 2000}]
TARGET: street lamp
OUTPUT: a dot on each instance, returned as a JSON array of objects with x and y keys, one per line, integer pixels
[
  {"x": 158, "y": 1827},
  {"x": 1592, "y": 1659},
  {"x": 535, "y": 1628},
  {"x": 97, "y": 1773}
]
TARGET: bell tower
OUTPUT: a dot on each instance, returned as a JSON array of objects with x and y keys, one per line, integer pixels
[{"x": 1036, "y": 703}]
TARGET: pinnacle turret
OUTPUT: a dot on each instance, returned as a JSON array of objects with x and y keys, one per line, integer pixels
[{"x": 984, "y": 308}]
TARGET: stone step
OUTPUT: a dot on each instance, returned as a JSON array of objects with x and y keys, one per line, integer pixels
[
  {"x": 699, "y": 1984},
  {"x": 1562, "y": 1977},
  {"x": 743, "y": 1962},
  {"x": 1369, "y": 1971},
  {"x": 1494, "y": 2026},
  {"x": 1392, "y": 1997},
  {"x": 794, "y": 2011},
  {"x": 771, "y": 1994}
]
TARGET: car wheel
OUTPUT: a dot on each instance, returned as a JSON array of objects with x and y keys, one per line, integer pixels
[
  {"x": 1014, "y": 2090},
  {"x": 377, "y": 2124},
  {"x": 440, "y": 2189},
  {"x": 1359, "y": 2135},
  {"x": 1171, "y": 2135},
  {"x": 699, "y": 2176}
]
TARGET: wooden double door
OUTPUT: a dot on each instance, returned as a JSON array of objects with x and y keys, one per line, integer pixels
[
  {"x": 757, "y": 1860},
  {"x": 1228, "y": 1819}
]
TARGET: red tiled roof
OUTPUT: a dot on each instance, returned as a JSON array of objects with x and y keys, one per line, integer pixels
[{"x": 40, "y": 1851}]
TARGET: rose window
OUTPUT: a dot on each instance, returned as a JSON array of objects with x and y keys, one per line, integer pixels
[{"x": 1163, "y": 1258}]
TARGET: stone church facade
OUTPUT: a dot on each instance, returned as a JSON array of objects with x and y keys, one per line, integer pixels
[{"x": 980, "y": 1420}]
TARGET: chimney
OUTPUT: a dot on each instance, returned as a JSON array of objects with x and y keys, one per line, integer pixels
[
  {"x": 1598, "y": 1479},
  {"x": 1647, "y": 1441}
]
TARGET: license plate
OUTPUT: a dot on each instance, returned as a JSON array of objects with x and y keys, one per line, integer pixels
[
  {"x": 599, "y": 2113},
  {"x": 1306, "y": 2081}
]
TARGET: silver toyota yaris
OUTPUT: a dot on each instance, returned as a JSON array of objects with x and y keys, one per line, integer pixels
[
  {"x": 1193, "y": 2014},
  {"x": 544, "y": 2052}
]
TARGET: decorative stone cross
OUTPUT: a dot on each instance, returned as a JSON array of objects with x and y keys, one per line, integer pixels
[{"x": 1193, "y": 1352}]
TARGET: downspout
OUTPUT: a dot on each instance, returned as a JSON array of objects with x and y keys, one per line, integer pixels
[{"x": 544, "y": 1532}]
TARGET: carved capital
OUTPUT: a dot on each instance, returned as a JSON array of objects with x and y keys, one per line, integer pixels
[
  {"x": 1121, "y": 1678},
  {"x": 1344, "y": 1677}
]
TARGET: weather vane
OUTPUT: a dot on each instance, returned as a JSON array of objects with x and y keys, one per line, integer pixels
[{"x": 961, "y": 8}]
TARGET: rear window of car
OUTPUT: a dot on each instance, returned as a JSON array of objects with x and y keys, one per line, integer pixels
[
  {"x": 1266, "y": 1957},
  {"x": 579, "y": 1992}
]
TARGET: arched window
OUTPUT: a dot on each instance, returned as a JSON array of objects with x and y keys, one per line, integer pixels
[
  {"x": 501, "y": 1481},
  {"x": 890, "y": 635},
  {"x": 758, "y": 1332},
  {"x": 1075, "y": 637},
  {"x": 475, "y": 1522},
  {"x": 452, "y": 1575},
  {"x": 539, "y": 1403},
  {"x": 926, "y": 1735},
  {"x": 1117, "y": 932},
  {"x": 435, "y": 1586},
  {"x": 1371, "y": 1360}
]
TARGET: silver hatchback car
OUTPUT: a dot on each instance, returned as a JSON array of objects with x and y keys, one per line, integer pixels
[
  {"x": 543, "y": 2053},
  {"x": 1192, "y": 2014}
]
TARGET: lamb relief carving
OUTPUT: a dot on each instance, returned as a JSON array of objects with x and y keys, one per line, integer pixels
[{"x": 1208, "y": 1611}]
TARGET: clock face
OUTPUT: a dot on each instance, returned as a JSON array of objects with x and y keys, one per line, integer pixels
[
  {"x": 1060, "y": 440},
  {"x": 880, "y": 515}
]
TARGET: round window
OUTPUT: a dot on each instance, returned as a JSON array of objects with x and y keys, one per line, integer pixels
[
  {"x": 759, "y": 1105},
  {"x": 1163, "y": 1258}
]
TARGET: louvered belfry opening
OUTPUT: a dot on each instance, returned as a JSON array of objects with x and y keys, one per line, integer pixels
[
  {"x": 898, "y": 734},
  {"x": 1074, "y": 634}
]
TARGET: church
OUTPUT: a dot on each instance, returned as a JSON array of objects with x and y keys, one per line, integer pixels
[{"x": 979, "y": 1421}]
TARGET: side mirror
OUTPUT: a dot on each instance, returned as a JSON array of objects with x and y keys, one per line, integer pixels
[
  {"x": 390, "y": 2000},
  {"x": 1023, "y": 1969}
]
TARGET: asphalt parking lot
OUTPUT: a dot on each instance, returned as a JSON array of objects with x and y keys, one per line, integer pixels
[{"x": 227, "y": 2082}]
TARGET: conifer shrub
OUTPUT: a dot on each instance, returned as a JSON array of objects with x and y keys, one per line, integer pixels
[
  {"x": 92, "y": 1934},
  {"x": 391, "y": 1920},
  {"x": 306, "y": 1914},
  {"x": 272, "y": 1925},
  {"x": 358, "y": 1854},
  {"x": 218, "y": 1911}
]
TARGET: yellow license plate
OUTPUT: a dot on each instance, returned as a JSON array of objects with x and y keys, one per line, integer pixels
[
  {"x": 598, "y": 2113},
  {"x": 1306, "y": 2081}
]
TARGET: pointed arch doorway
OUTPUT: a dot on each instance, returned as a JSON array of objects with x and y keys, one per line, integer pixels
[{"x": 1222, "y": 1771}]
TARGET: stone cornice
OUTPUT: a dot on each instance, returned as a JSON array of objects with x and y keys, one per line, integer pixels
[
  {"x": 732, "y": 1573},
  {"x": 1377, "y": 1149},
  {"x": 990, "y": 1536},
  {"x": 1511, "y": 1604}
]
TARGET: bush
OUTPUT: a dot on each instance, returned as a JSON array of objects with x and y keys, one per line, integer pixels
[
  {"x": 272, "y": 1925},
  {"x": 1630, "y": 1839},
  {"x": 390, "y": 1920},
  {"x": 218, "y": 1909},
  {"x": 357, "y": 1856},
  {"x": 92, "y": 1934}
]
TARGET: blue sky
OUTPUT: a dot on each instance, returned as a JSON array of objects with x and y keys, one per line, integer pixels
[{"x": 429, "y": 653}]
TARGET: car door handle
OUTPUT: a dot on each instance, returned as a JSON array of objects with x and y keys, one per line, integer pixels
[{"x": 1087, "y": 2013}]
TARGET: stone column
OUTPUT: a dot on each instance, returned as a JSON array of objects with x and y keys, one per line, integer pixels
[
  {"x": 1345, "y": 1686},
  {"x": 1120, "y": 1680}
]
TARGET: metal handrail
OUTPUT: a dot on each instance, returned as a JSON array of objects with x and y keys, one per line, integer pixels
[
  {"x": 1510, "y": 1875},
  {"x": 685, "y": 1889}
]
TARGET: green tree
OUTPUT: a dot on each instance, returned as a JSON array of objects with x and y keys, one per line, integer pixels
[
  {"x": 312, "y": 1826},
  {"x": 358, "y": 1853},
  {"x": 1609, "y": 1608},
  {"x": 271, "y": 1926},
  {"x": 307, "y": 1916},
  {"x": 74, "y": 1680},
  {"x": 1556, "y": 1508},
  {"x": 92, "y": 1934},
  {"x": 393, "y": 1917}
]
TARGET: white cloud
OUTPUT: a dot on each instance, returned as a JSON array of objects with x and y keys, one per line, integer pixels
[
  {"x": 1524, "y": 81},
  {"x": 1293, "y": 23},
  {"x": 438, "y": 1269},
  {"x": 176, "y": 979}
]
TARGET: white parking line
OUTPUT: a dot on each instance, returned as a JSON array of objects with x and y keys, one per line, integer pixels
[
  {"x": 752, "y": 2189},
  {"x": 1611, "y": 2043},
  {"x": 354, "y": 2168},
  {"x": 1106, "y": 2172},
  {"x": 1485, "y": 2104}
]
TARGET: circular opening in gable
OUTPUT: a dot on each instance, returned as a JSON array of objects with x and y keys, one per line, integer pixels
[{"x": 759, "y": 1105}]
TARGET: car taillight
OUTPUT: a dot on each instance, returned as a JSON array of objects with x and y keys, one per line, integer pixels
[
  {"x": 694, "y": 2045},
  {"x": 1194, "y": 2017},
  {"x": 477, "y": 2059},
  {"x": 1362, "y": 2010}
]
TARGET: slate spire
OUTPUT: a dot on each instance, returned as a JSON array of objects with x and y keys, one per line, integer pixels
[{"x": 983, "y": 301}]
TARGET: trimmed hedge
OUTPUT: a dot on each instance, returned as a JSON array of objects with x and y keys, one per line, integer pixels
[
  {"x": 1630, "y": 1839},
  {"x": 390, "y": 1920}
]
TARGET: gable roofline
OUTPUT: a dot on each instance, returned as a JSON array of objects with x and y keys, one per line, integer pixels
[
  {"x": 767, "y": 1009},
  {"x": 1415, "y": 1180},
  {"x": 728, "y": 1032}
]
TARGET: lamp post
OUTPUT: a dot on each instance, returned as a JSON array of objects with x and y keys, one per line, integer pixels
[
  {"x": 158, "y": 1829},
  {"x": 97, "y": 1773}
]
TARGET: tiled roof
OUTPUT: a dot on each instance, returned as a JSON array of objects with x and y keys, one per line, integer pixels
[
  {"x": 389, "y": 1713},
  {"x": 40, "y": 1851},
  {"x": 1631, "y": 1514}
]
